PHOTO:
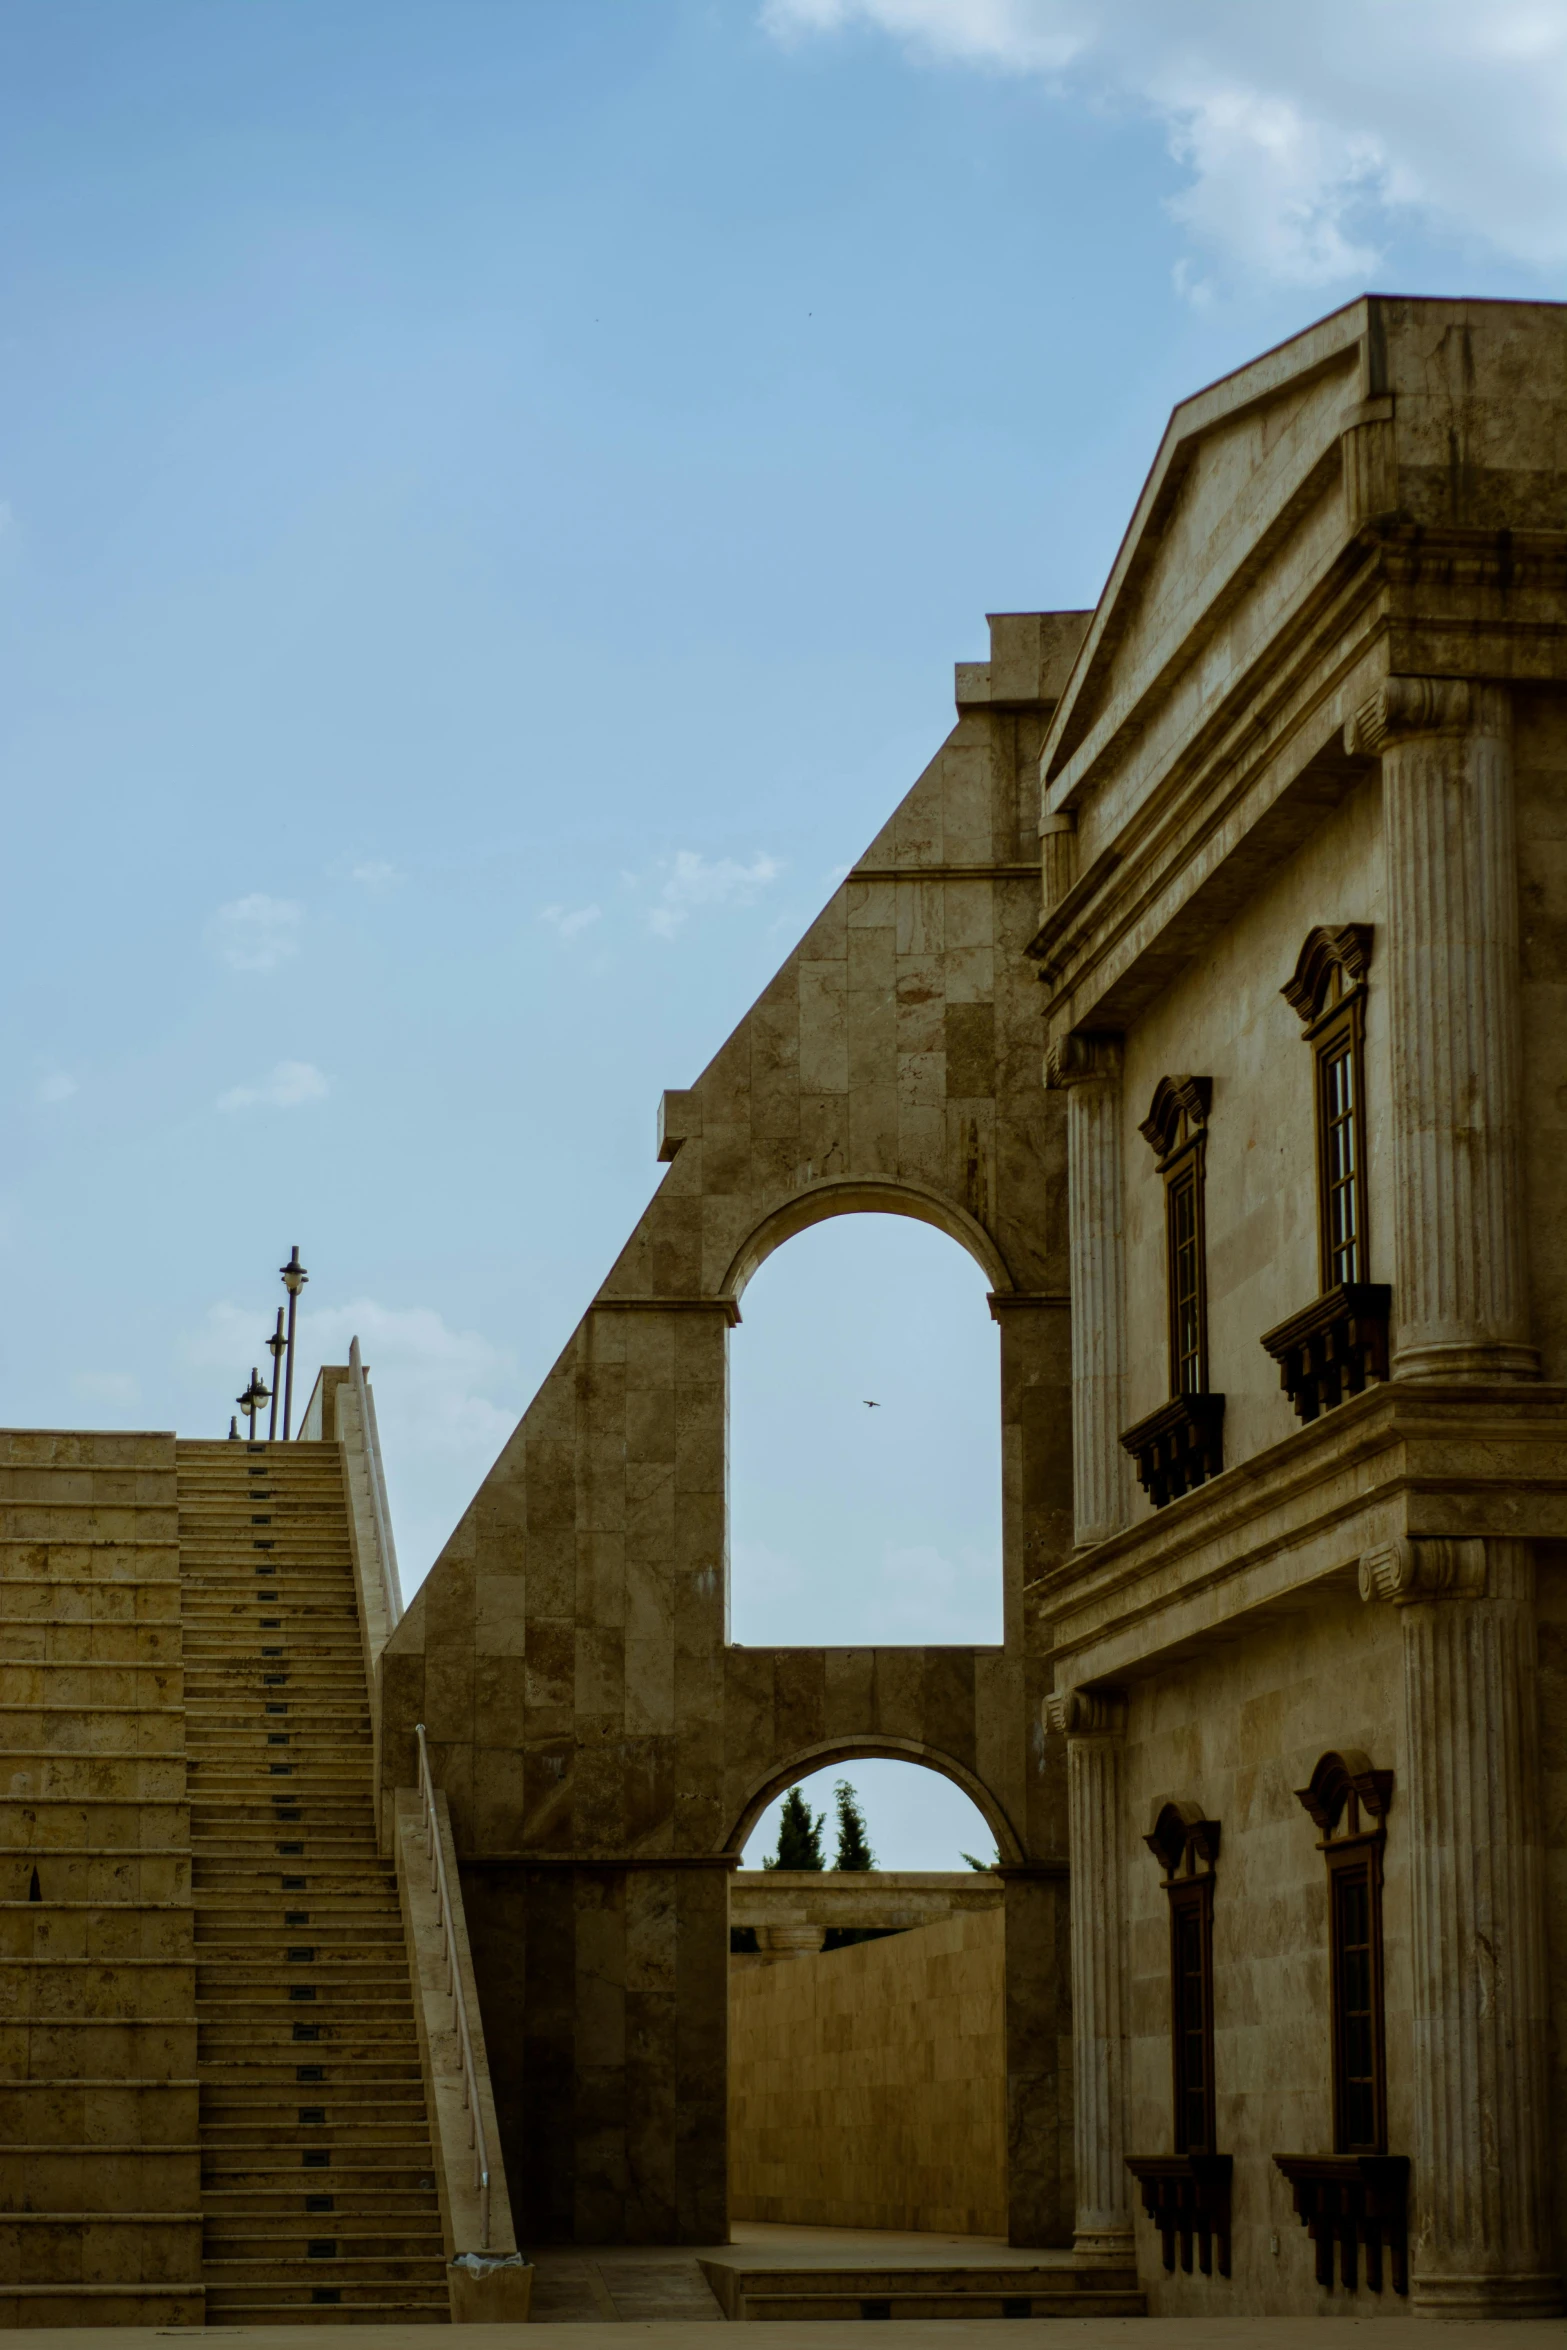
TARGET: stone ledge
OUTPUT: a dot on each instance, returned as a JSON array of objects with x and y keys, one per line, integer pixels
[{"x": 1405, "y": 1458}]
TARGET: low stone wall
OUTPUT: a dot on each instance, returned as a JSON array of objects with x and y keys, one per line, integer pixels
[{"x": 867, "y": 2086}]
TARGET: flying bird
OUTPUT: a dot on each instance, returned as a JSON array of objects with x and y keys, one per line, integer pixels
[{"x": 869, "y": 1406}]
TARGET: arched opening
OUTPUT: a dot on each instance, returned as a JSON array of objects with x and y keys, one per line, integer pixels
[
  {"x": 867, "y": 2009},
  {"x": 865, "y": 1434}
]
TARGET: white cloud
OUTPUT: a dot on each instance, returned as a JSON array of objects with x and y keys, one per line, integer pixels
[
  {"x": 688, "y": 880},
  {"x": 568, "y": 923},
  {"x": 113, "y": 1389},
  {"x": 256, "y": 933},
  {"x": 289, "y": 1084},
  {"x": 1308, "y": 135},
  {"x": 58, "y": 1086},
  {"x": 376, "y": 876}
]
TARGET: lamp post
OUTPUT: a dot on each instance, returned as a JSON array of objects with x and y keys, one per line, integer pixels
[
  {"x": 275, "y": 1346},
  {"x": 252, "y": 1400},
  {"x": 294, "y": 1279},
  {"x": 233, "y": 1428}
]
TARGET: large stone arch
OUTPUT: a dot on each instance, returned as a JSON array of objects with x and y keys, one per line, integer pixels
[
  {"x": 859, "y": 1195},
  {"x": 794, "y": 1767},
  {"x": 594, "y": 1731}
]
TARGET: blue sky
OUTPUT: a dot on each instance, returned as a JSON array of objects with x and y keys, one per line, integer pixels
[{"x": 490, "y": 496}]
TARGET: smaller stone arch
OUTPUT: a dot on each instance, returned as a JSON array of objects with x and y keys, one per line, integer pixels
[
  {"x": 853, "y": 1195},
  {"x": 806, "y": 1759}
]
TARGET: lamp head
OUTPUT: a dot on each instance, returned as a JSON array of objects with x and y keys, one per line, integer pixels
[{"x": 294, "y": 1274}]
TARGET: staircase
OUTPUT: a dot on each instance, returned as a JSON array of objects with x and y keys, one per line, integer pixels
[{"x": 318, "y": 2186}]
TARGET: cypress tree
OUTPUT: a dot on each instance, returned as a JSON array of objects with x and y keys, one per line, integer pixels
[
  {"x": 799, "y": 1836},
  {"x": 854, "y": 1851}
]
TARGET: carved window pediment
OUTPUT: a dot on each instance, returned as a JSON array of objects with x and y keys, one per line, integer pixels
[
  {"x": 1183, "y": 1840},
  {"x": 1343, "y": 1787},
  {"x": 1178, "y": 1116},
  {"x": 1331, "y": 966}
]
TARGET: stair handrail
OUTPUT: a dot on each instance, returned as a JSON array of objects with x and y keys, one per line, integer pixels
[
  {"x": 470, "y": 2070},
  {"x": 390, "y": 1581}
]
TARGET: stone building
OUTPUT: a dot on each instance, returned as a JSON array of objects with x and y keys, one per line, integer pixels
[
  {"x": 1304, "y": 951},
  {"x": 1208, "y": 989}
]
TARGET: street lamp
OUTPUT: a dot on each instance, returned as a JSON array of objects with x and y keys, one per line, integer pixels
[
  {"x": 294, "y": 1279},
  {"x": 275, "y": 1346},
  {"x": 252, "y": 1400}
]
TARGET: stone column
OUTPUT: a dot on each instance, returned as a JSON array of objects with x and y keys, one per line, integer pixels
[
  {"x": 1460, "y": 1299},
  {"x": 1481, "y": 2222},
  {"x": 1094, "y": 1724},
  {"x": 1090, "y": 1070}
]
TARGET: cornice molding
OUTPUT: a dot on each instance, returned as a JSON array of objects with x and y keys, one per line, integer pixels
[{"x": 1250, "y": 1542}]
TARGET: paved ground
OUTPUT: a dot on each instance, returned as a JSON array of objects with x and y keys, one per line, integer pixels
[{"x": 1116, "y": 2333}]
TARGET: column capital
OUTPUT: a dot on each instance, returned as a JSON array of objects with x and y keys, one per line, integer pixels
[
  {"x": 1403, "y": 706},
  {"x": 1086, "y": 1713},
  {"x": 1426, "y": 1567},
  {"x": 1075, "y": 1059}
]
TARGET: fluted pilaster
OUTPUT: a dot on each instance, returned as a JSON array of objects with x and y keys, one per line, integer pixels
[
  {"x": 1090, "y": 1070},
  {"x": 1482, "y": 2230},
  {"x": 1447, "y": 782},
  {"x": 1094, "y": 1726}
]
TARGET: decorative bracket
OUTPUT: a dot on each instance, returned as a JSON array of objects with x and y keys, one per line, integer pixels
[
  {"x": 1410, "y": 705},
  {"x": 1086, "y": 1713},
  {"x": 1077, "y": 1058},
  {"x": 1410, "y": 1568}
]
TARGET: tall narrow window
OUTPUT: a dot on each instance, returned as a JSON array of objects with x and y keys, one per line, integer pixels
[
  {"x": 1187, "y": 2193},
  {"x": 1338, "y": 1109},
  {"x": 1188, "y": 1847},
  {"x": 1354, "y": 2202},
  {"x": 1348, "y": 1800},
  {"x": 1181, "y": 1445},
  {"x": 1331, "y": 1347},
  {"x": 1191, "y": 1987},
  {"x": 1328, "y": 991}
]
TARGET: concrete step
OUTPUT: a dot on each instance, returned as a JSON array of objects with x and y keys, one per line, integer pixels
[{"x": 790, "y": 2294}]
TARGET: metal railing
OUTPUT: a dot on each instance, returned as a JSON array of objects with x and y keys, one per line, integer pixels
[
  {"x": 470, "y": 2071},
  {"x": 390, "y": 1584}
]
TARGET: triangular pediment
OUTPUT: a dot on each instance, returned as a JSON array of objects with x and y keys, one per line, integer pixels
[{"x": 1238, "y": 471}]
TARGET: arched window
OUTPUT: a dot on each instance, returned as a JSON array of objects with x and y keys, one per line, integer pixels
[{"x": 865, "y": 1442}]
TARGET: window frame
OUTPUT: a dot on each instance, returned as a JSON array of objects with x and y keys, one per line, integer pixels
[
  {"x": 1338, "y": 1035},
  {"x": 1327, "y": 993},
  {"x": 1349, "y": 1800},
  {"x": 1187, "y": 1848},
  {"x": 1176, "y": 1129},
  {"x": 1191, "y": 1898}
]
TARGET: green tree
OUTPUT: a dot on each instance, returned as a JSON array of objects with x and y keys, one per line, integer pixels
[
  {"x": 854, "y": 1850},
  {"x": 992, "y": 1863},
  {"x": 799, "y": 1836}
]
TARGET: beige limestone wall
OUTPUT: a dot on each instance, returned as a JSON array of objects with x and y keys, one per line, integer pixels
[
  {"x": 100, "y": 2218},
  {"x": 867, "y": 2087},
  {"x": 1237, "y": 1732},
  {"x": 1224, "y": 1018}
]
